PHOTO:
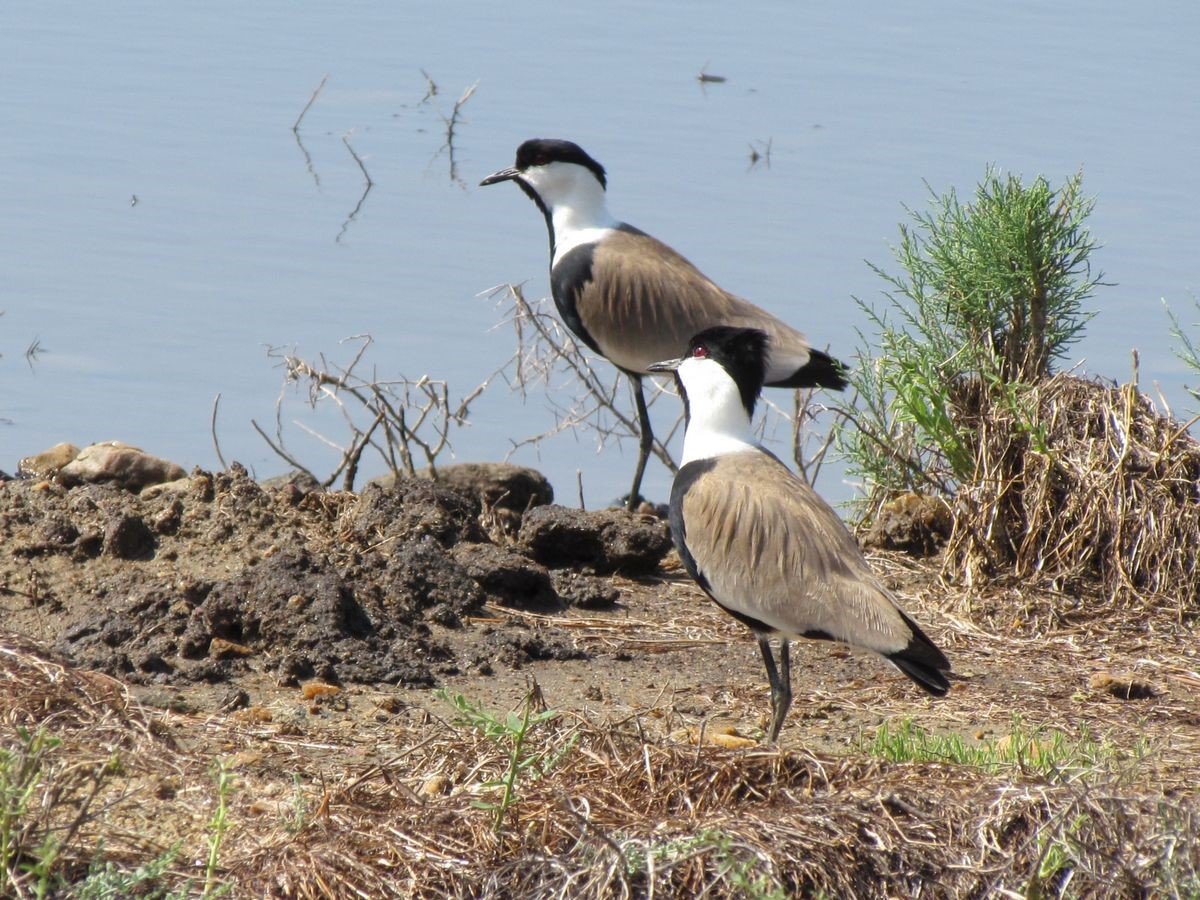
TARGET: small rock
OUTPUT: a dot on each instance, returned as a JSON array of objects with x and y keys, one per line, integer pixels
[
  {"x": 58, "y": 531},
  {"x": 295, "y": 485},
  {"x": 178, "y": 486},
  {"x": 434, "y": 786},
  {"x": 604, "y": 541},
  {"x": 120, "y": 464},
  {"x": 47, "y": 463},
  {"x": 170, "y": 518},
  {"x": 128, "y": 537},
  {"x": 312, "y": 690}
]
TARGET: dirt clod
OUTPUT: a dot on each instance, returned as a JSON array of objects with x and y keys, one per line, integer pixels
[
  {"x": 509, "y": 578},
  {"x": 911, "y": 523},
  {"x": 601, "y": 541},
  {"x": 128, "y": 537}
]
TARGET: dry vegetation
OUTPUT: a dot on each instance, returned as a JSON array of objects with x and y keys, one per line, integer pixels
[
  {"x": 1101, "y": 499},
  {"x": 647, "y": 802}
]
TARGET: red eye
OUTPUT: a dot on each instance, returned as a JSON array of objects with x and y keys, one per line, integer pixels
[{"x": 700, "y": 351}]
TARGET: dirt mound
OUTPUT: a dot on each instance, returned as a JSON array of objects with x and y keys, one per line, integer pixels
[{"x": 217, "y": 576}]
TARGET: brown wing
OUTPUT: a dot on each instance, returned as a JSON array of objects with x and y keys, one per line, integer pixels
[
  {"x": 642, "y": 287},
  {"x": 771, "y": 550}
]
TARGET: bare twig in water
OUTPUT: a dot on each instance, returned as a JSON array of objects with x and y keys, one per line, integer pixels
[
  {"x": 431, "y": 88},
  {"x": 308, "y": 163},
  {"x": 32, "y": 351},
  {"x": 308, "y": 105},
  {"x": 358, "y": 159},
  {"x": 761, "y": 153},
  {"x": 212, "y": 425},
  {"x": 366, "y": 189},
  {"x": 451, "y": 124}
]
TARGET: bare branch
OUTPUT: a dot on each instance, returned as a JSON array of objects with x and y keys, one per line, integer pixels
[
  {"x": 396, "y": 418},
  {"x": 308, "y": 105},
  {"x": 544, "y": 350},
  {"x": 281, "y": 453},
  {"x": 213, "y": 429}
]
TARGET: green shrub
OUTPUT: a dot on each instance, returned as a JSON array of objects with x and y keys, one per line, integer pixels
[{"x": 991, "y": 294}]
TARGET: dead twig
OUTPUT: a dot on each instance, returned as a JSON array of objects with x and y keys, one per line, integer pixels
[
  {"x": 212, "y": 427},
  {"x": 311, "y": 100},
  {"x": 405, "y": 418}
]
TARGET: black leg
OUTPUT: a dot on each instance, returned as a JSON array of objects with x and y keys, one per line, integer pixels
[
  {"x": 781, "y": 682},
  {"x": 645, "y": 442}
]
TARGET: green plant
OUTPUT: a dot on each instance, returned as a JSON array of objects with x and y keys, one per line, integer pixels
[
  {"x": 1057, "y": 856},
  {"x": 511, "y": 732},
  {"x": 26, "y": 848},
  {"x": 1185, "y": 348},
  {"x": 297, "y": 820},
  {"x": 735, "y": 865},
  {"x": 992, "y": 292},
  {"x": 218, "y": 825},
  {"x": 43, "y": 803},
  {"x": 1049, "y": 754},
  {"x": 107, "y": 880}
]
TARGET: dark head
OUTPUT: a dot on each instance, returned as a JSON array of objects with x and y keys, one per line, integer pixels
[
  {"x": 740, "y": 352},
  {"x": 537, "y": 153},
  {"x": 558, "y": 175}
]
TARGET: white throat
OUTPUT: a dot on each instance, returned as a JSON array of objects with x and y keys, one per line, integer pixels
[
  {"x": 718, "y": 422},
  {"x": 576, "y": 200}
]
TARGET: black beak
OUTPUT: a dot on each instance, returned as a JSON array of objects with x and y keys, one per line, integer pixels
[
  {"x": 667, "y": 365},
  {"x": 503, "y": 175}
]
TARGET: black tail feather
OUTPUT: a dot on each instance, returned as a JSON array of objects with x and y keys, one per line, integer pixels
[
  {"x": 928, "y": 678},
  {"x": 922, "y": 661},
  {"x": 821, "y": 370}
]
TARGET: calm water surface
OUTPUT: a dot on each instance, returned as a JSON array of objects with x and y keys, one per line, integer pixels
[{"x": 148, "y": 308}]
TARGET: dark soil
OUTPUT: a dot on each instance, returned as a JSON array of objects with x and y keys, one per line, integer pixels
[{"x": 221, "y": 577}]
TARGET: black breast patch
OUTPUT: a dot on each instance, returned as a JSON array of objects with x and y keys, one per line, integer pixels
[
  {"x": 568, "y": 278},
  {"x": 684, "y": 479}
]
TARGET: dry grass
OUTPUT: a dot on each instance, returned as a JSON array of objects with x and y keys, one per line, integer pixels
[
  {"x": 1097, "y": 495},
  {"x": 625, "y": 813}
]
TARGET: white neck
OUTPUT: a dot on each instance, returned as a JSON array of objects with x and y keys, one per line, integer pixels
[
  {"x": 576, "y": 200},
  {"x": 718, "y": 422}
]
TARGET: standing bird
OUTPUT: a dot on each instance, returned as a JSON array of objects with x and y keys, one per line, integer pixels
[
  {"x": 758, "y": 539},
  {"x": 631, "y": 298}
]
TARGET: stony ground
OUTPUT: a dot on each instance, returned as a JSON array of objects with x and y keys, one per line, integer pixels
[{"x": 294, "y": 631}]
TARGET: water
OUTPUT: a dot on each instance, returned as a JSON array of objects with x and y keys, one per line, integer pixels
[{"x": 148, "y": 308}]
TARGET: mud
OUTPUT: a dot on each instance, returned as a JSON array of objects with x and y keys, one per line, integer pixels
[{"x": 215, "y": 577}]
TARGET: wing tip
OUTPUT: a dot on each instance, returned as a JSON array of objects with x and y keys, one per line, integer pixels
[{"x": 821, "y": 370}]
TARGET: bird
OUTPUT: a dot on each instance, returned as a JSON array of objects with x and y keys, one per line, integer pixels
[
  {"x": 630, "y": 297},
  {"x": 760, "y": 541}
]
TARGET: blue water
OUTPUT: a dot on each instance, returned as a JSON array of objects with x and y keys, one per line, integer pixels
[{"x": 148, "y": 308}]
